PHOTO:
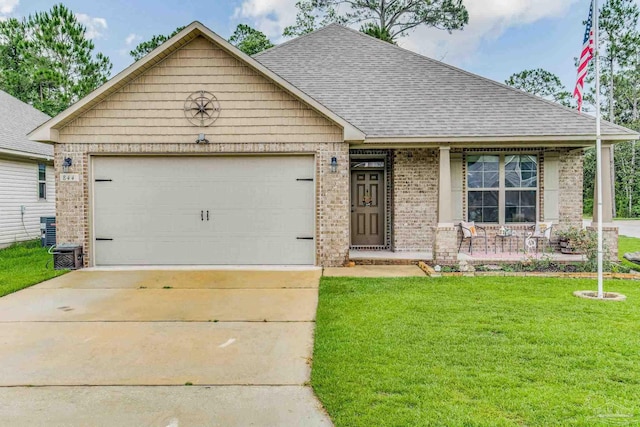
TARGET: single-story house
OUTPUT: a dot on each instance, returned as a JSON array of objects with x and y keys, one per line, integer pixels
[
  {"x": 27, "y": 186},
  {"x": 331, "y": 142}
]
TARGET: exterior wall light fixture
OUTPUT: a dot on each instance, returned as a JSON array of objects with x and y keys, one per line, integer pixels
[
  {"x": 67, "y": 164},
  {"x": 333, "y": 166},
  {"x": 202, "y": 139}
]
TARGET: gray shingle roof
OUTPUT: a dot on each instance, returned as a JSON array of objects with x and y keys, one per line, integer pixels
[
  {"x": 387, "y": 91},
  {"x": 17, "y": 119}
]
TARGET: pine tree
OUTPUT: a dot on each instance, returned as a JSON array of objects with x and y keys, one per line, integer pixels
[{"x": 47, "y": 61}]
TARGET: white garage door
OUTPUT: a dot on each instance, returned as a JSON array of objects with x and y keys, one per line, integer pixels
[{"x": 204, "y": 210}]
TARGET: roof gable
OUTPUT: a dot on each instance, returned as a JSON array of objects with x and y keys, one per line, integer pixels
[
  {"x": 16, "y": 120},
  {"x": 390, "y": 92},
  {"x": 49, "y": 131}
]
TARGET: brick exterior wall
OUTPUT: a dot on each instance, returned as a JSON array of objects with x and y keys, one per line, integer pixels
[
  {"x": 445, "y": 247},
  {"x": 609, "y": 240},
  {"x": 415, "y": 199},
  {"x": 73, "y": 202}
]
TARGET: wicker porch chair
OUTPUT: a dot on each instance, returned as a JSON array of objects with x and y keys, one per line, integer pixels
[
  {"x": 541, "y": 231},
  {"x": 469, "y": 230}
]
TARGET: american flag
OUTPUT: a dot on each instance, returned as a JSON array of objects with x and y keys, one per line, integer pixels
[{"x": 585, "y": 57}]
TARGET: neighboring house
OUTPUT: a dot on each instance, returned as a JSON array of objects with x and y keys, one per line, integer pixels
[
  {"x": 27, "y": 187},
  {"x": 199, "y": 154}
]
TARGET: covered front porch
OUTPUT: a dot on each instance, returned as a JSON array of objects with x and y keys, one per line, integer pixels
[{"x": 407, "y": 203}]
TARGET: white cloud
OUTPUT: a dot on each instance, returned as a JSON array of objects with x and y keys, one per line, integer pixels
[
  {"x": 95, "y": 26},
  {"x": 268, "y": 16},
  {"x": 132, "y": 38},
  {"x": 488, "y": 20},
  {"x": 8, "y": 6}
]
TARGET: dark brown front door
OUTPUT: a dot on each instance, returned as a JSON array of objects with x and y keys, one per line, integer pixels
[{"x": 367, "y": 208}]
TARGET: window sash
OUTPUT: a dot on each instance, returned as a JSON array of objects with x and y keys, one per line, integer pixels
[
  {"x": 42, "y": 181},
  {"x": 522, "y": 170}
]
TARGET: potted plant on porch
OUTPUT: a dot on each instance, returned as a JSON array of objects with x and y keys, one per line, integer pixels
[{"x": 575, "y": 241}]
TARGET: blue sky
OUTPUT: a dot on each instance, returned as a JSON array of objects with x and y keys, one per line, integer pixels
[{"x": 503, "y": 37}]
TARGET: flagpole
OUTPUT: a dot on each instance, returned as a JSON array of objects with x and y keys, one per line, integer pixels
[{"x": 598, "y": 147}]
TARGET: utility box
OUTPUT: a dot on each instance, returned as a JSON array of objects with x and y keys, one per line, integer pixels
[
  {"x": 48, "y": 230},
  {"x": 67, "y": 257}
]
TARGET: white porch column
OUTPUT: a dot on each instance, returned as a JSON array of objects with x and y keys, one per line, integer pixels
[
  {"x": 444, "y": 246},
  {"x": 445, "y": 213},
  {"x": 607, "y": 196},
  {"x": 609, "y": 229}
]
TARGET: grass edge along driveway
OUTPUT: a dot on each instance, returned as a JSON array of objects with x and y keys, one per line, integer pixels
[
  {"x": 476, "y": 351},
  {"x": 23, "y": 265}
]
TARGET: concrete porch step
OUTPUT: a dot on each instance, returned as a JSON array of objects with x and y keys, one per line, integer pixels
[{"x": 362, "y": 257}]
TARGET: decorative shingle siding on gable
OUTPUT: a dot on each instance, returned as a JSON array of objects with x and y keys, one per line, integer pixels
[{"x": 150, "y": 109}]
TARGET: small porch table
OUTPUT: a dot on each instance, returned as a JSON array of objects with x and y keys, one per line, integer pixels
[{"x": 509, "y": 237}]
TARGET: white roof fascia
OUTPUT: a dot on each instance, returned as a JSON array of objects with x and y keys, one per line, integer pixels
[
  {"x": 501, "y": 140},
  {"x": 24, "y": 154}
]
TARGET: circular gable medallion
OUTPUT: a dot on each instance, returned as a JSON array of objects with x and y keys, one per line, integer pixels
[{"x": 201, "y": 108}]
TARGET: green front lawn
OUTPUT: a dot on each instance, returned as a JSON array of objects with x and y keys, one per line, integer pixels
[
  {"x": 23, "y": 265},
  {"x": 476, "y": 352}
]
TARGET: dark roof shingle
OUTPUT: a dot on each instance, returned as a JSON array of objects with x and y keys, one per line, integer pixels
[
  {"x": 387, "y": 91},
  {"x": 17, "y": 119}
]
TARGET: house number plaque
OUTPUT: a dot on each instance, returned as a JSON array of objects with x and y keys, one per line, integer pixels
[{"x": 69, "y": 177}]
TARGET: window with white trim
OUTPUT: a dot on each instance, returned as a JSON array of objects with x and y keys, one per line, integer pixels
[
  {"x": 42, "y": 181},
  {"x": 502, "y": 188}
]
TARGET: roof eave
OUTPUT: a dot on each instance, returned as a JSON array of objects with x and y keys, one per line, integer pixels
[
  {"x": 45, "y": 132},
  {"x": 546, "y": 140},
  {"x": 25, "y": 155}
]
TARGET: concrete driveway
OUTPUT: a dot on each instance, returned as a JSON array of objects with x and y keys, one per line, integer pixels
[
  {"x": 160, "y": 348},
  {"x": 628, "y": 227}
]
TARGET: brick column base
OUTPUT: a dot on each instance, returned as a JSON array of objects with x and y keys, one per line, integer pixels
[
  {"x": 610, "y": 241},
  {"x": 445, "y": 248}
]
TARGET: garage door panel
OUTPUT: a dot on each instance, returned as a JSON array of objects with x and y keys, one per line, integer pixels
[
  {"x": 123, "y": 224},
  {"x": 152, "y": 210},
  {"x": 270, "y": 221},
  {"x": 248, "y": 195},
  {"x": 143, "y": 194},
  {"x": 168, "y": 251}
]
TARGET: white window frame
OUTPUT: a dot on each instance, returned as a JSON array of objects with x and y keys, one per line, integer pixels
[
  {"x": 502, "y": 188},
  {"x": 42, "y": 182}
]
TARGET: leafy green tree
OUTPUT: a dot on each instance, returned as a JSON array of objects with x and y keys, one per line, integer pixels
[
  {"x": 390, "y": 18},
  {"x": 144, "y": 48},
  {"x": 249, "y": 40},
  {"x": 619, "y": 38},
  {"x": 13, "y": 76},
  {"x": 619, "y": 33},
  {"x": 47, "y": 61},
  {"x": 620, "y": 79},
  {"x": 542, "y": 83},
  {"x": 310, "y": 17},
  {"x": 374, "y": 30}
]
